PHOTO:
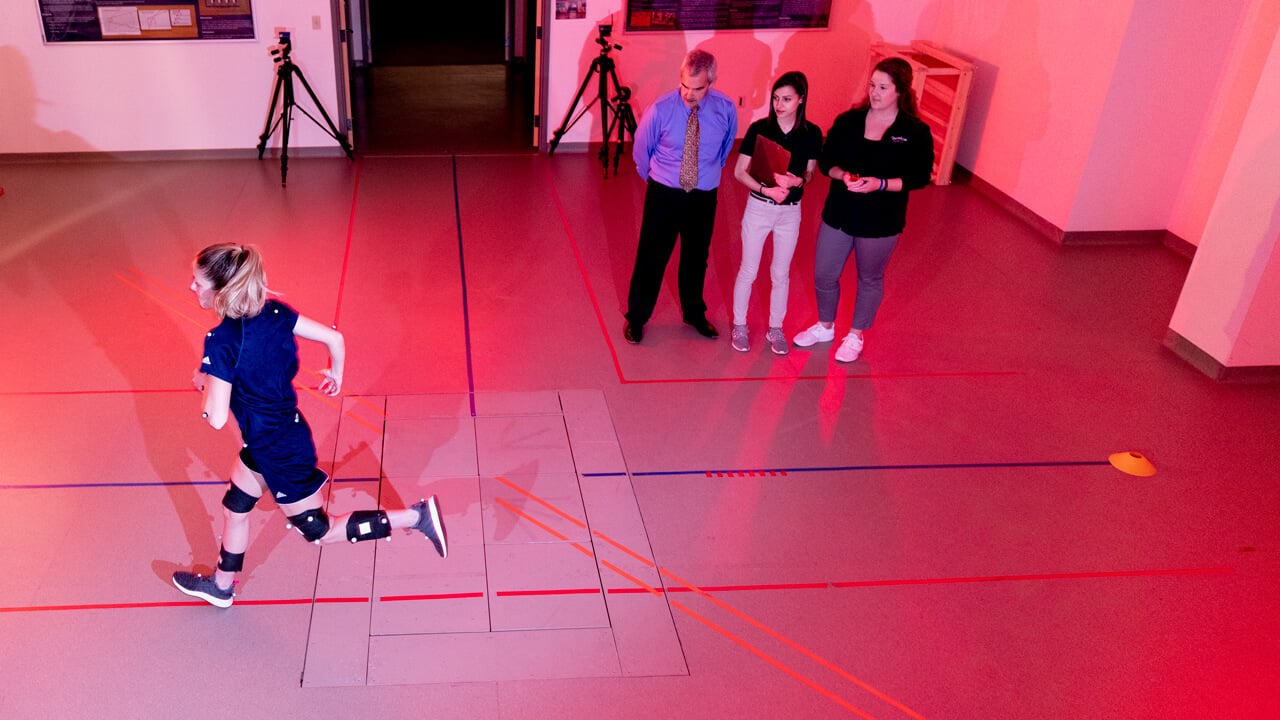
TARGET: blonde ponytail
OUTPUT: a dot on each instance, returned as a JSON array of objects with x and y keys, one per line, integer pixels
[{"x": 239, "y": 282}]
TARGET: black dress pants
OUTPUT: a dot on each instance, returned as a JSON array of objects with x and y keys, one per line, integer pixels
[{"x": 668, "y": 213}]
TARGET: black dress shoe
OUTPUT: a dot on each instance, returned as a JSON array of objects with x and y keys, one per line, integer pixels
[
  {"x": 704, "y": 327},
  {"x": 633, "y": 333}
]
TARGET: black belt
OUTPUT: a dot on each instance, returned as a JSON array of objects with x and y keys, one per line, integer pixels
[
  {"x": 679, "y": 189},
  {"x": 769, "y": 200}
]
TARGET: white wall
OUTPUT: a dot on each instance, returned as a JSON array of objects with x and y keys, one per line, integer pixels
[
  {"x": 156, "y": 95},
  {"x": 1228, "y": 306}
]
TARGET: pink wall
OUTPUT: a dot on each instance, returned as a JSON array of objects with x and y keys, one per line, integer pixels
[
  {"x": 1159, "y": 97},
  {"x": 1239, "y": 74},
  {"x": 1044, "y": 70}
]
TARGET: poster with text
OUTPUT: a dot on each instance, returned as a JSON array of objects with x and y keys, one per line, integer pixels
[
  {"x": 681, "y": 15},
  {"x": 112, "y": 20}
]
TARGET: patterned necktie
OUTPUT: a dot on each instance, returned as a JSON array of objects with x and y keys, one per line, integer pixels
[{"x": 689, "y": 162}]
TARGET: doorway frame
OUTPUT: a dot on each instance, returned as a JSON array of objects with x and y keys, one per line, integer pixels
[{"x": 349, "y": 36}]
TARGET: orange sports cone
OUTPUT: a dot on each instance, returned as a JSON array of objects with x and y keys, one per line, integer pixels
[{"x": 1133, "y": 463}]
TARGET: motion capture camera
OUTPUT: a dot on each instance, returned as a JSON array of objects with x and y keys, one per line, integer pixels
[
  {"x": 280, "y": 51},
  {"x": 603, "y": 40}
]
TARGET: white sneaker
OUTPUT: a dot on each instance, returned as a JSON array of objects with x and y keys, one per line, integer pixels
[
  {"x": 815, "y": 334},
  {"x": 849, "y": 348}
]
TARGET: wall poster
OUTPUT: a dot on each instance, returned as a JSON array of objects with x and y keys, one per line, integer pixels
[
  {"x": 668, "y": 15},
  {"x": 97, "y": 20}
]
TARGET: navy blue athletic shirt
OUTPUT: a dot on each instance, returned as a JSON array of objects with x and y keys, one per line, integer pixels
[{"x": 259, "y": 356}]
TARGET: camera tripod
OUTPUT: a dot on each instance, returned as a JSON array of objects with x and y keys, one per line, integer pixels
[
  {"x": 615, "y": 106},
  {"x": 285, "y": 72}
]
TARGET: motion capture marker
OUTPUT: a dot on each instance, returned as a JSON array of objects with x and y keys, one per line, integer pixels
[
  {"x": 1133, "y": 463},
  {"x": 368, "y": 525},
  {"x": 311, "y": 524}
]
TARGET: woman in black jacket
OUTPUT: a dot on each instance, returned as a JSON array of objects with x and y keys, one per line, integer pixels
[{"x": 875, "y": 155}]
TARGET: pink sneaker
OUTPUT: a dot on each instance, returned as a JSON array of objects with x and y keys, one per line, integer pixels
[
  {"x": 849, "y": 349},
  {"x": 815, "y": 335}
]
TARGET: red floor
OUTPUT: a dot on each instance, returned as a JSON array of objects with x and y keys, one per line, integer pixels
[{"x": 672, "y": 529}]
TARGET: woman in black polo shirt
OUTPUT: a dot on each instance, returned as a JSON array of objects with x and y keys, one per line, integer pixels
[{"x": 774, "y": 206}]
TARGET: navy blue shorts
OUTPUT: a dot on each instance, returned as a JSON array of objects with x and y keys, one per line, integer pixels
[{"x": 287, "y": 463}]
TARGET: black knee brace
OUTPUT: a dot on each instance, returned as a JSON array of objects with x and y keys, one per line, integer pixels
[
  {"x": 230, "y": 562},
  {"x": 237, "y": 500},
  {"x": 367, "y": 525},
  {"x": 313, "y": 524}
]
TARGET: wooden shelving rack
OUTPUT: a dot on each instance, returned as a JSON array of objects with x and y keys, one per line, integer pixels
[{"x": 941, "y": 84}]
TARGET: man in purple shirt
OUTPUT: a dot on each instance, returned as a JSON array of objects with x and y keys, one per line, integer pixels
[{"x": 680, "y": 199}]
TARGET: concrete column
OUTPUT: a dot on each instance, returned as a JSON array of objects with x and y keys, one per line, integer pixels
[{"x": 1227, "y": 320}]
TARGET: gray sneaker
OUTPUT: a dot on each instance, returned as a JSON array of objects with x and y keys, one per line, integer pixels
[
  {"x": 204, "y": 588},
  {"x": 430, "y": 524},
  {"x": 738, "y": 338},
  {"x": 777, "y": 341}
]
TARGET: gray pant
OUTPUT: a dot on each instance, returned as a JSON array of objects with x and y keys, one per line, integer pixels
[{"x": 871, "y": 256}]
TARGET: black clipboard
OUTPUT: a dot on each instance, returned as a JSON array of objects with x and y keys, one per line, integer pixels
[{"x": 768, "y": 158}]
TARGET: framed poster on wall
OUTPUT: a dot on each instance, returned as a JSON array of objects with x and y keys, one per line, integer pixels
[
  {"x": 681, "y": 15},
  {"x": 110, "y": 20}
]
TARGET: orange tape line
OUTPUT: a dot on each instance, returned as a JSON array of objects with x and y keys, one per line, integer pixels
[
  {"x": 161, "y": 301},
  {"x": 624, "y": 548},
  {"x": 774, "y": 662},
  {"x": 773, "y": 633},
  {"x": 542, "y": 502},
  {"x": 530, "y": 518},
  {"x": 794, "y": 645}
]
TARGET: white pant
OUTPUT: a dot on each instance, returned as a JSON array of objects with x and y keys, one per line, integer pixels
[{"x": 760, "y": 218}]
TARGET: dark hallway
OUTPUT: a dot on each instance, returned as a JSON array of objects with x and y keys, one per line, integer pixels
[{"x": 437, "y": 82}]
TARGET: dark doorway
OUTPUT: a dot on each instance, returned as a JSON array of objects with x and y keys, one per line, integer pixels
[
  {"x": 437, "y": 33},
  {"x": 438, "y": 81}
]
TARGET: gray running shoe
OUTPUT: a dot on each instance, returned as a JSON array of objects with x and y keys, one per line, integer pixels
[
  {"x": 777, "y": 341},
  {"x": 738, "y": 338},
  {"x": 204, "y": 588},
  {"x": 430, "y": 524}
]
